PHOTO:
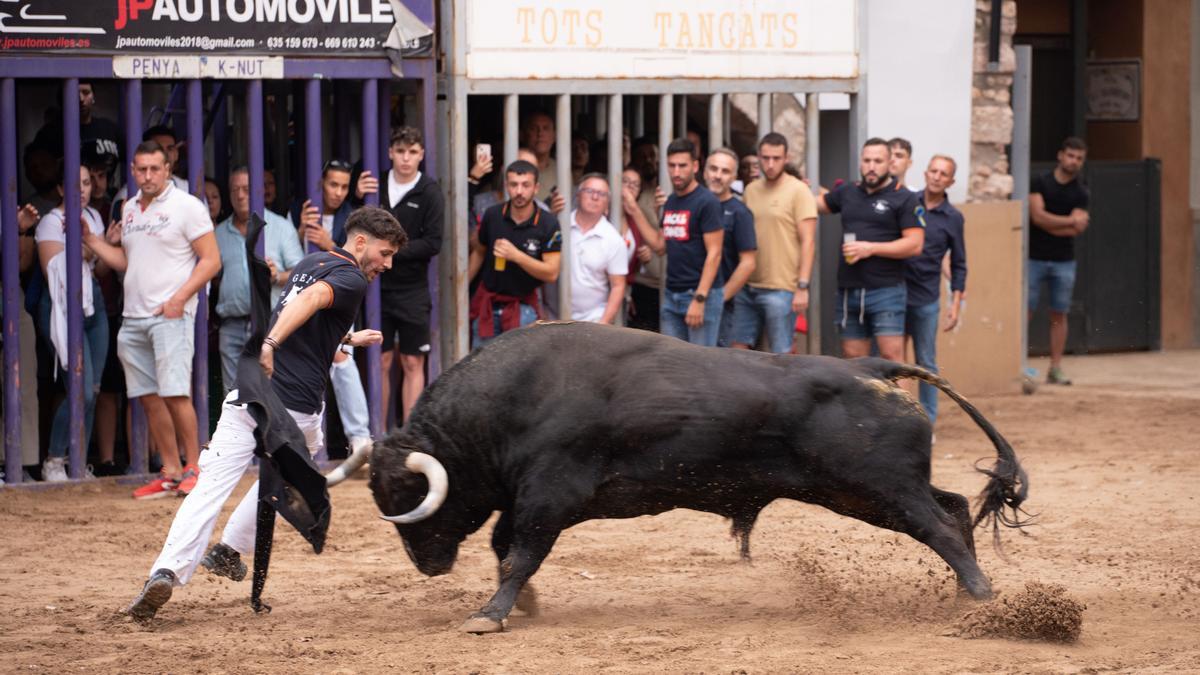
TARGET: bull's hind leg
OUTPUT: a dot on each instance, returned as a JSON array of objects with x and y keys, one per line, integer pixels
[{"x": 957, "y": 506}]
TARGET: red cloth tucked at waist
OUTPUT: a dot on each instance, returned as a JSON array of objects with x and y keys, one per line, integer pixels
[{"x": 483, "y": 305}]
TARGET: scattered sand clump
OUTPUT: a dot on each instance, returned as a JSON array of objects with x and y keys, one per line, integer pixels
[{"x": 1039, "y": 612}]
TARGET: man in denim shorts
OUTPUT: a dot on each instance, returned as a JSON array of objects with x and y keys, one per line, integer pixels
[
  {"x": 1058, "y": 204},
  {"x": 887, "y": 222},
  {"x": 168, "y": 252}
]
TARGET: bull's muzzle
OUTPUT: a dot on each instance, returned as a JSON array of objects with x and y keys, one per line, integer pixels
[
  {"x": 359, "y": 454},
  {"x": 439, "y": 483}
]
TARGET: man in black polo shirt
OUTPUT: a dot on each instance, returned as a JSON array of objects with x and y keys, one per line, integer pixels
[
  {"x": 517, "y": 247},
  {"x": 314, "y": 313},
  {"x": 692, "y": 237},
  {"x": 883, "y": 224},
  {"x": 1058, "y": 204}
]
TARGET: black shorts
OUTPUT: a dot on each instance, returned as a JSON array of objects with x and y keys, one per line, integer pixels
[{"x": 407, "y": 337}]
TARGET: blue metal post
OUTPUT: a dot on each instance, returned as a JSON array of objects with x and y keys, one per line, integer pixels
[
  {"x": 72, "y": 206},
  {"x": 195, "y": 148},
  {"x": 370, "y": 159},
  {"x": 254, "y": 154},
  {"x": 12, "y": 280},
  {"x": 312, "y": 146},
  {"x": 429, "y": 125},
  {"x": 139, "y": 461}
]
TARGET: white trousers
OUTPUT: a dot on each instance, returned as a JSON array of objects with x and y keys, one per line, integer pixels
[{"x": 222, "y": 466}]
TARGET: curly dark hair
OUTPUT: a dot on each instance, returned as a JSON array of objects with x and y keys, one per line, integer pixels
[{"x": 378, "y": 223}]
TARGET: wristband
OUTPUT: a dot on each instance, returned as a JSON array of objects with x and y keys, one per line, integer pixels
[
  {"x": 271, "y": 342},
  {"x": 802, "y": 285}
]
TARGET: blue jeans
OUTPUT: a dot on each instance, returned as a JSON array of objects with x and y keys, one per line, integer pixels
[
  {"x": 674, "y": 309},
  {"x": 351, "y": 399},
  {"x": 95, "y": 351},
  {"x": 233, "y": 336},
  {"x": 770, "y": 308},
  {"x": 921, "y": 323},
  {"x": 528, "y": 316},
  {"x": 1060, "y": 276}
]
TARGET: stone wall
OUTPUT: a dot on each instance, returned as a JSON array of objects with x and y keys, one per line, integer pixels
[{"x": 991, "y": 106}]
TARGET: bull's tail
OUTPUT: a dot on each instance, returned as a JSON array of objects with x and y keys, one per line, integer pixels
[{"x": 1007, "y": 486}]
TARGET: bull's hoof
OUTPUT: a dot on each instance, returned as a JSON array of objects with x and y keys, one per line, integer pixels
[
  {"x": 527, "y": 602},
  {"x": 481, "y": 624}
]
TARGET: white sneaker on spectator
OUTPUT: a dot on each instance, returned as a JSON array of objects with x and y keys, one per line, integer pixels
[{"x": 54, "y": 470}]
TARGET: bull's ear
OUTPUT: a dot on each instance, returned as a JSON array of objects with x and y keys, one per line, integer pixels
[{"x": 439, "y": 485}]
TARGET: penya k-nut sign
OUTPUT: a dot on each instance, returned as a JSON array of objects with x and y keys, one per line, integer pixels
[{"x": 276, "y": 27}]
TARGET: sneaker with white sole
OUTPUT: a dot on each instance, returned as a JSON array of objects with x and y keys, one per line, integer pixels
[
  {"x": 54, "y": 470},
  {"x": 160, "y": 487}
]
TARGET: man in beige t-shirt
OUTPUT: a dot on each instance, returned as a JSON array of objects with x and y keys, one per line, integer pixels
[{"x": 785, "y": 224}]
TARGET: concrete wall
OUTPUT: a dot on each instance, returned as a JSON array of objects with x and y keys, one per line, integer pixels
[{"x": 918, "y": 64}]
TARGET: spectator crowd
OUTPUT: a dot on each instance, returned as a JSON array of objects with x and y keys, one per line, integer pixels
[{"x": 722, "y": 256}]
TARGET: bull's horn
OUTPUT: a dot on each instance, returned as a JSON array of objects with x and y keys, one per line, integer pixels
[
  {"x": 360, "y": 452},
  {"x": 435, "y": 473}
]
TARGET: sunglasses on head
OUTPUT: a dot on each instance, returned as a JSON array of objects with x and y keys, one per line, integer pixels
[{"x": 337, "y": 165}]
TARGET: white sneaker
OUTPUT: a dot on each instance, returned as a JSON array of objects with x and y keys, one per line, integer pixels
[{"x": 54, "y": 470}]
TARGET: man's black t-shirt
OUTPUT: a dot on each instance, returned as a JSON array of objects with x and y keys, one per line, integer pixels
[
  {"x": 738, "y": 222},
  {"x": 880, "y": 216},
  {"x": 100, "y": 138},
  {"x": 1061, "y": 199},
  {"x": 536, "y": 236},
  {"x": 303, "y": 359},
  {"x": 685, "y": 221}
]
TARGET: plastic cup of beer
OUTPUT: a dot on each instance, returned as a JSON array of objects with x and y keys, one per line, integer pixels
[
  {"x": 501, "y": 263},
  {"x": 847, "y": 238}
]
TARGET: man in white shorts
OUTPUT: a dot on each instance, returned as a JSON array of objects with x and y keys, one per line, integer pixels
[{"x": 168, "y": 252}]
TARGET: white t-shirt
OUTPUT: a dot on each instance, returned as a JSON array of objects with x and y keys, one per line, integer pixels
[
  {"x": 53, "y": 227},
  {"x": 397, "y": 190},
  {"x": 158, "y": 248},
  {"x": 327, "y": 223},
  {"x": 594, "y": 256},
  {"x": 181, "y": 183}
]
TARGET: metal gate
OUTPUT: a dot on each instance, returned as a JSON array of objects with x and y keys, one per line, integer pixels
[{"x": 1117, "y": 300}]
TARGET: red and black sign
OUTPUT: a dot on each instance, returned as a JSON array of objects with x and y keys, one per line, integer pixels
[{"x": 277, "y": 27}]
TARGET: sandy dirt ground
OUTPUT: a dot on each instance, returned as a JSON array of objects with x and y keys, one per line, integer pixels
[{"x": 1113, "y": 464}]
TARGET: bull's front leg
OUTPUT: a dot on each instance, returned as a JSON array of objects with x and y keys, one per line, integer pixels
[{"x": 525, "y": 554}]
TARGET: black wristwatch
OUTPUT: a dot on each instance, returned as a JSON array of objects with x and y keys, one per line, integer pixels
[
  {"x": 700, "y": 298},
  {"x": 802, "y": 285}
]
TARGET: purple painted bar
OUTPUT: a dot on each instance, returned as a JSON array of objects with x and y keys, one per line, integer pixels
[
  {"x": 384, "y": 131},
  {"x": 139, "y": 460},
  {"x": 220, "y": 136},
  {"x": 195, "y": 158},
  {"x": 334, "y": 69},
  {"x": 254, "y": 155},
  {"x": 41, "y": 65},
  {"x": 12, "y": 280},
  {"x": 312, "y": 148},
  {"x": 77, "y": 451},
  {"x": 429, "y": 122},
  {"x": 370, "y": 160}
]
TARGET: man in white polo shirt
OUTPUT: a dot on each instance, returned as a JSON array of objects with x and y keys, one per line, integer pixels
[
  {"x": 168, "y": 252},
  {"x": 599, "y": 259}
]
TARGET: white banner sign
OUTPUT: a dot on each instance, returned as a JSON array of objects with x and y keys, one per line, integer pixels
[
  {"x": 662, "y": 39},
  {"x": 231, "y": 67}
]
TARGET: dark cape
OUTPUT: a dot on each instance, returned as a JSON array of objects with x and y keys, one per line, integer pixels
[{"x": 289, "y": 481}]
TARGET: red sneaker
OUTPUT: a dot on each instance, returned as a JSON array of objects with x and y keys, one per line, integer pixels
[
  {"x": 159, "y": 487},
  {"x": 188, "y": 482}
]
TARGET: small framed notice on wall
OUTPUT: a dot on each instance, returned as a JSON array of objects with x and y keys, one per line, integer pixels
[{"x": 1114, "y": 90}]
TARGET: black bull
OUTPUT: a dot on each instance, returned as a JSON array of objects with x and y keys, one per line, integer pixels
[{"x": 560, "y": 423}]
